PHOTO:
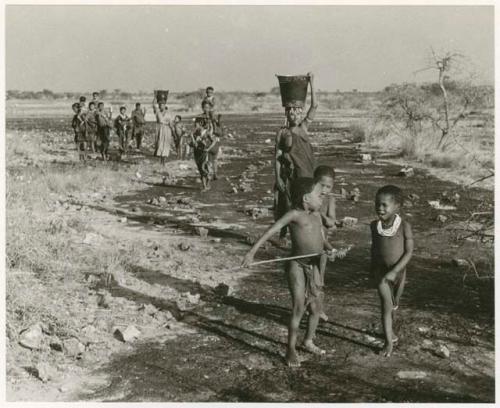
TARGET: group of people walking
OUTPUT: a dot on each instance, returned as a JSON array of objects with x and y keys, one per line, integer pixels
[{"x": 93, "y": 125}]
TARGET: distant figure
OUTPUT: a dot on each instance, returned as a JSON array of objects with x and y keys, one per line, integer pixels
[
  {"x": 95, "y": 99},
  {"x": 163, "y": 140},
  {"x": 200, "y": 140},
  {"x": 138, "y": 121},
  {"x": 83, "y": 104},
  {"x": 392, "y": 249},
  {"x": 103, "y": 129},
  {"x": 294, "y": 155},
  {"x": 214, "y": 128},
  {"x": 303, "y": 275},
  {"x": 91, "y": 118},
  {"x": 210, "y": 99},
  {"x": 80, "y": 129},
  {"x": 121, "y": 126},
  {"x": 179, "y": 132}
]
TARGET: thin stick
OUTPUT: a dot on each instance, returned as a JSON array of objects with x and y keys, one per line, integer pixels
[{"x": 290, "y": 258}]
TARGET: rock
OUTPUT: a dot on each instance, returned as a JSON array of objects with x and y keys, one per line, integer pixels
[
  {"x": 184, "y": 247},
  {"x": 55, "y": 343},
  {"x": 442, "y": 351},
  {"x": 103, "y": 299},
  {"x": 441, "y": 218},
  {"x": 349, "y": 222},
  {"x": 365, "y": 157},
  {"x": 411, "y": 375},
  {"x": 90, "y": 335},
  {"x": 91, "y": 238},
  {"x": 222, "y": 289},
  {"x": 45, "y": 371},
  {"x": 149, "y": 309},
  {"x": 183, "y": 166},
  {"x": 424, "y": 329},
  {"x": 202, "y": 232},
  {"x": 123, "y": 220},
  {"x": 427, "y": 344},
  {"x": 127, "y": 335},
  {"x": 216, "y": 240},
  {"x": 184, "y": 201},
  {"x": 138, "y": 175},
  {"x": 32, "y": 337},
  {"x": 73, "y": 348},
  {"x": 436, "y": 204},
  {"x": 355, "y": 194},
  {"x": 406, "y": 172},
  {"x": 413, "y": 197},
  {"x": 193, "y": 299},
  {"x": 234, "y": 190},
  {"x": 459, "y": 262},
  {"x": 163, "y": 199}
]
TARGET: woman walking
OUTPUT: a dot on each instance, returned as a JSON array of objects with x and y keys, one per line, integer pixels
[{"x": 163, "y": 140}]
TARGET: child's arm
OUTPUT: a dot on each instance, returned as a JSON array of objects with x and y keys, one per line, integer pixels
[
  {"x": 329, "y": 218},
  {"x": 314, "y": 105},
  {"x": 408, "y": 252},
  {"x": 275, "y": 228},
  {"x": 277, "y": 165}
]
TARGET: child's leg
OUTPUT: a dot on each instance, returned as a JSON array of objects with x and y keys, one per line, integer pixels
[
  {"x": 315, "y": 307},
  {"x": 398, "y": 289},
  {"x": 322, "y": 268},
  {"x": 385, "y": 293},
  {"x": 296, "y": 284}
]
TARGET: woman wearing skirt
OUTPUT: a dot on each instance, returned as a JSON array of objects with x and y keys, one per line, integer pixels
[{"x": 163, "y": 139}]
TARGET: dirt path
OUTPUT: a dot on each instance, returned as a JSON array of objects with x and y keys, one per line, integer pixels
[{"x": 230, "y": 348}]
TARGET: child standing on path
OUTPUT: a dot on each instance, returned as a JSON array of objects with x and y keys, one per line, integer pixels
[
  {"x": 178, "y": 132},
  {"x": 103, "y": 129},
  {"x": 304, "y": 279},
  {"x": 200, "y": 140},
  {"x": 91, "y": 127},
  {"x": 392, "y": 249},
  {"x": 121, "y": 126},
  {"x": 80, "y": 128},
  {"x": 138, "y": 122}
]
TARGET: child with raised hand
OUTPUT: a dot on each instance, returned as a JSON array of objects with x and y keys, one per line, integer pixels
[
  {"x": 303, "y": 274},
  {"x": 392, "y": 249},
  {"x": 200, "y": 140}
]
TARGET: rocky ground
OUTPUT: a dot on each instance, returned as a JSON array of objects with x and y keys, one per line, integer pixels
[{"x": 165, "y": 314}]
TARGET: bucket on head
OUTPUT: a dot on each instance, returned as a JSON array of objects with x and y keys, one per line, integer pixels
[
  {"x": 293, "y": 89},
  {"x": 161, "y": 96}
]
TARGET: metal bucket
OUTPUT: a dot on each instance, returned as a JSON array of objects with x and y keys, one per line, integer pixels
[
  {"x": 161, "y": 96},
  {"x": 293, "y": 89}
]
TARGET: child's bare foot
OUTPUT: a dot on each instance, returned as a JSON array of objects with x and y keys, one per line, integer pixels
[
  {"x": 323, "y": 316},
  {"x": 312, "y": 348},
  {"x": 387, "y": 350},
  {"x": 292, "y": 358},
  {"x": 395, "y": 339}
]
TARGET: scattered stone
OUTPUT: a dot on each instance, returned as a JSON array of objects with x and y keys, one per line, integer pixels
[
  {"x": 349, "y": 222},
  {"x": 91, "y": 238},
  {"x": 406, "y": 172},
  {"x": 441, "y": 218},
  {"x": 459, "y": 262},
  {"x": 138, "y": 175},
  {"x": 55, "y": 343},
  {"x": 184, "y": 201},
  {"x": 202, "y": 232},
  {"x": 32, "y": 337},
  {"x": 90, "y": 335},
  {"x": 127, "y": 335},
  {"x": 45, "y": 372},
  {"x": 355, "y": 194},
  {"x": 365, "y": 157},
  {"x": 258, "y": 212},
  {"x": 267, "y": 141},
  {"x": 234, "y": 189},
  {"x": 413, "y": 197},
  {"x": 123, "y": 220},
  {"x": 222, "y": 290},
  {"x": 411, "y": 375},
  {"x": 424, "y": 329},
  {"x": 103, "y": 299},
  {"x": 73, "y": 348},
  {"x": 269, "y": 192},
  {"x": 216, "y": 240},
  {"x": 193, "y": 299},
  {"x": 442, "y": 351},
  {"x": 436, "y": 204},
  {"x": 163, "y": 199},
  {"x": 184, "y": 247},
  {"x": 427, "y": 344},
  {"x": 149, "y": 309},
  {"x": 183, "y": 166}
]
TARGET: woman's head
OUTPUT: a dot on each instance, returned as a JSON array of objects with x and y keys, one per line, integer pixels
[
  {"x": 293, "y": 115},
  {"x": 324, "y": 176}
]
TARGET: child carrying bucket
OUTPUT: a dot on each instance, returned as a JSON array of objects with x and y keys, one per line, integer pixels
[{"x": 294, "y": 156}]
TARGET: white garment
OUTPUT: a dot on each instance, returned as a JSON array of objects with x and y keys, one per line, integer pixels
[{"x": 391, "y": 231}]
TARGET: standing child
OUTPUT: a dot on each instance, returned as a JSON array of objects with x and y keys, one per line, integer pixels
[
  {"x": 324, "y": 177},
  {"x": 178, "y": 132},
  {"x": 79, "y": 127},
  {"x": 121, "y": 126},
  {"x": 103, "y": 129},
  {"x": 200, "y": 140},
  {"x": 210, "y": 100},
  {"x": 392, "y": 249},
  {"x": 91, "y": 127},
  {"x": 214, "y": 128},
  {"x": 304, "y": 279},
  {"x": 138, "y": 122}
]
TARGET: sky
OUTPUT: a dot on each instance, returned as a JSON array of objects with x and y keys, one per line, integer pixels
[{"x": 181, "y": 48}]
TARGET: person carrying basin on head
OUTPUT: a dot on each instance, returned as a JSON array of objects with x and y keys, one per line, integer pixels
[
  {"x": 163, "y": 139},
  {"x": 294, "y": 155}
]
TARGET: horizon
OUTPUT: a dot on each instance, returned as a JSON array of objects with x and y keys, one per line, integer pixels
[{"x": 347, "y": 47}]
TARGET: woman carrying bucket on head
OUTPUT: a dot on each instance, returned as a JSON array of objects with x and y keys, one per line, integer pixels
[
  {"x": 293, "y": 151},
  {"x": 163, "y": 139}
]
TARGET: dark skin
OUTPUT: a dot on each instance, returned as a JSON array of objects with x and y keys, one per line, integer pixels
[
  {"x": 390, "y": 256},
  {"x": 307, "y": 238}
]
